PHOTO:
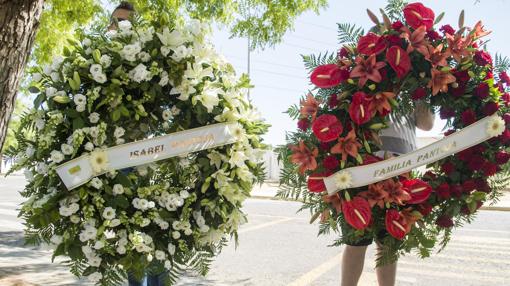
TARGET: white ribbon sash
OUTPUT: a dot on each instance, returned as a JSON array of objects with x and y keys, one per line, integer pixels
[
  {"x": 79, "y": 171},
  {"x": 360, "y": 176}
]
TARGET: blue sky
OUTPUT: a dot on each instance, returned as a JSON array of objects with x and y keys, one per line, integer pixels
[{"x": 278, "y": 73}]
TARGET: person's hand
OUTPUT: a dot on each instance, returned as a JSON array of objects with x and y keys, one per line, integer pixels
[{"x": 423, "y": 116}]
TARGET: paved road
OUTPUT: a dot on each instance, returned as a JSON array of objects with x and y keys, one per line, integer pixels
[{"x": 279, "y": 247}]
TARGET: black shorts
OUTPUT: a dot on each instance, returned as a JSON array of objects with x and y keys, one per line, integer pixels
[{"x": 367, "y": 241}]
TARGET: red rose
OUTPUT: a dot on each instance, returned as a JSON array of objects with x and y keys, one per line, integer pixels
[
  {"x": 456, "y": 191},
  {"x": 343, "y": 53},
  {"x": 489, "y": 75},
  {"x": 447, "y": 29},
  {"x": 476, "y": 163},
  {"x": 446, "y": 113},
  {"x": 506, "y": 98},
  {"x": 399, "y": 60},
  {"x": 324, "y": 146},
  {"x": 360, "y": 108},
  {"x": 468, "y": 117},
  {"x": 482, "y": 58},
  {"x": 333, "y": 101},
  {"x": 357, "y": 212},
  {"x": 503, "y": 76},
  {"x": 370, "y": 159},
  {"x": 462, "y": 76},
  {"x": 396, "y": 225},
  {"x": 482, "y": 90},
  {"x": 482, "y": 185},
  {"x": 448, "y": 167},
  {"x": 418, "y": 15},
  {"x": 371, "y": 44},
  {"x": 433, "y": 35},
  {"x": 443, "y": 191},
  {"x": 465, "y": 155},
  {"x": 418, "y": 190},
  {"x": 303, "y": 124},
  {"x": 327, "y": 76},
  {"x": 425, "y": 209},
  {"x": 444, "y": 221},
  {"x": 502, "y": 157},
  {"x": 490, "y": 108},
  {"x": 393, "y": 40},
  {"x": 327, "y": 128},
  {"x": 466, "y": 211},
  {"x": 489, "y": 169},
  {"x": 316, "y": 182},
  {"x": 419, "y": 93},
  {"x": 505, "y": 137},
  {"x": 506, "y": 117},
  {"x": 468, "y": 186},
  {"x": 458, "y": 91},
  {"x": 331, "y": 162},
  {"x": 397, "y": 25}
]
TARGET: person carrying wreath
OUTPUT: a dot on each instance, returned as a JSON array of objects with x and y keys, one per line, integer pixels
[{"x": 397, "y": 139}]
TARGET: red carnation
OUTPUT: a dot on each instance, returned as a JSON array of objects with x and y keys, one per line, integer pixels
[
  {"x": 371, "y": 44},
  {"x": 418, "y": 15},
  {"x": 327, "y": 76},
  {"x": 444, "y": 221},
  {"x": 468, "y": 186},
  {"x": 490, "y": 108},
  {"x": 397, "y": 25},
  {"x": 476, "y": 162},
  {"x": 503, "y": 76},
  {"x": 316, "y": 182},
  {"x": 505, "y": 137},
  {"x": 482, "y": 186},
  {"x": 343, "y": 53},
  {"x": 448, "y": 167},
  {"x": 370, "y": 159},
  {"x": 360, "y": 108},
  {"x": 445, "y": 113},
  {"x": 462, "y": 76},
  {"x": 456, "y": 191},
  {"x": 482, "y": 90},
  {"x": 327, "y": 128},
  {"x": 447, "y": 29},
  {"x": 324, "y": 146},
  {"x": 333, "y": 101},
  {"x": 482, "y": 58},
  {"x": 465, "y": 155},
  {"x": 489, "y": 75},
  {"x": 331, "y": 162},
  {"x": 357, "y": 212},
  {"x": 468, "y": 117},
  {"x": 502, "y": 157},
  {"x": 425, "y": 209},
  {"x": 396, "y": 225},
  {"x": 418, "y": 190},
  {"x": 458, "y": 91},
  {"x": 399, "y": 60},
  {"x": 303, "y": 124},
  {"x": 506, "y": 98},
  {"x": 443, "y": 191},
  {"x": 433, "y": 35},
  {"x": 419, "y": 93},
  {"x": 489, "y": 169}
]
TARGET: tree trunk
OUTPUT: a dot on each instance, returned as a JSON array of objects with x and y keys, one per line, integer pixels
[{"x": 19, "y": 20}]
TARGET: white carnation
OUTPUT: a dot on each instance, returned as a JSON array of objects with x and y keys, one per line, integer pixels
[
  {"x": 140, "y": 73},
  {"x": 67, "y": 149},
  {"x": 129, "y": 52}
]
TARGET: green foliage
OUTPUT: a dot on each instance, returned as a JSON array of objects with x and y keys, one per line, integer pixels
[
  {"x": 313, "y": 61},
  {"x": 501, "y": 63},
  {"x": 394, "y": 9},
  {"x": 14, "y": 124},
  {"x": 348, "y": 34}
]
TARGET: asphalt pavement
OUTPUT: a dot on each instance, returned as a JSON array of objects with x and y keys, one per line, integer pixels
[{"x": 279, "y": 247}]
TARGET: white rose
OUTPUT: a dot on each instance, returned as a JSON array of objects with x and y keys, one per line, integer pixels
[
  {"x": 118, "y": 189},
  {"x": 86, "y": 42},
  {"x": 55, "y": 76},
  {"x": 176, "y": 235},
  {"x": 105, "y": 60},
  {"x": 89, "y": 146},
  {"x": 80, "y": 99},
  {"x": 121, "y": 250},
  {"x": 50, "y": 91},
  {"x": 80, "y": 108},
  {"x": 36, "y": 77},
  {"x": 160, "y": 255},
  {"x": 94, "y": 117},
  {"x": 96, "y": 69},
  {"x": 67, "y": 149},
  {"x": 96, "y": 183},
  {"x": 109, "y": 213},
  {"x": 119, "y": 132}
]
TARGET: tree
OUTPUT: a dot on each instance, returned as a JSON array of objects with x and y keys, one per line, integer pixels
[
  {"x": 14, "y": 123},
  {"x": 265, "y": 22}
]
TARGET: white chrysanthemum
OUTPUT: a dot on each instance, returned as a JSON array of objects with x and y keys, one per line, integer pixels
[
  {"x": 109, "y": 213},
  {"x": 343, "y": 180},
  {"x": 166, "y": 115},
  {"x": 80, "y": 99},
  {"x": 96, "y": 183},
  {"x": 94, "y": 117},
  {"x": 495, "y": 126},
  {"x": 98, "y": 161},
  {"x": 118, "y": 189},
  {"x": 67, "y": 149},
  {"x": 119, "y": 132}
]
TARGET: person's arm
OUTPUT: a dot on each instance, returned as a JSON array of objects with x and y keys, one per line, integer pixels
[{"x": 424, "y": 117}]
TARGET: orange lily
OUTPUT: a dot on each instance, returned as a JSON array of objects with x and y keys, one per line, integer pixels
[
  {"x": 376, "y": 195},
  {"x": 458, "y": 46},
  {"x": 396, "y": 194},
  {"x": 335, "y": 201},
  {"x": 437, "y": 57},
  {"x": 440, "y": 81},
  {"x": 309, "y": 106},
  {"x": 381, "y": 102},
  {"x": 367, "y": 69},
  {"x": 416, "y": 40},
  {"x": 479, "y": 32},
  {"x": 304, "y": 157},
  {"x": 347, "y": 146}
]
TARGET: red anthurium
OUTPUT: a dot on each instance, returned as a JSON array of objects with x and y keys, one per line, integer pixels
[
  {"x": 399, "y": 60},
  {"x": 371, "y": 44},
  {"x": 396, "y": 224},
  {"x": 327, "y": 128},
  {"x": 357, "y": 212},
  {"x": 418, "y": 190},
  {"x": 360, "y": 110},
  {"x": 418, "y": 15},
  {"x": 316, "y": 182},
  {"x": 327, "y": 76}
]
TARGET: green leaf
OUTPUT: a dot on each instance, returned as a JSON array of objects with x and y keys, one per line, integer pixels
[
  {"x": 39, "y": 100},
  {"x": 76, "y": 78},
  {"x": 34, "y": 89},
  {"x": 78, "y": 123},
  {"x": 116, "y": 114},
  {"x": 124, "y": 111}
]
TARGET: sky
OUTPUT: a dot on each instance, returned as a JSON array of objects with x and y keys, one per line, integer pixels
[{"x": 278, "y": 73}]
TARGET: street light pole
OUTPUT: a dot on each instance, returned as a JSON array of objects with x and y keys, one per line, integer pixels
[{"x": 248, "y": 65}]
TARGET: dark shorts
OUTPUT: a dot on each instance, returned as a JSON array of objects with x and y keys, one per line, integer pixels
[{"x": 367, "y": 241}]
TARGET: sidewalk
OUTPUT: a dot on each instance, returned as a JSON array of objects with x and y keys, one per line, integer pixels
[{"x": 268, "y": 191}]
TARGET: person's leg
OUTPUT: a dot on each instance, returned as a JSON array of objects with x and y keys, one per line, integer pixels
[
  {"x": 353, "y": 259},
  {"x": 386, "y": 275}
]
